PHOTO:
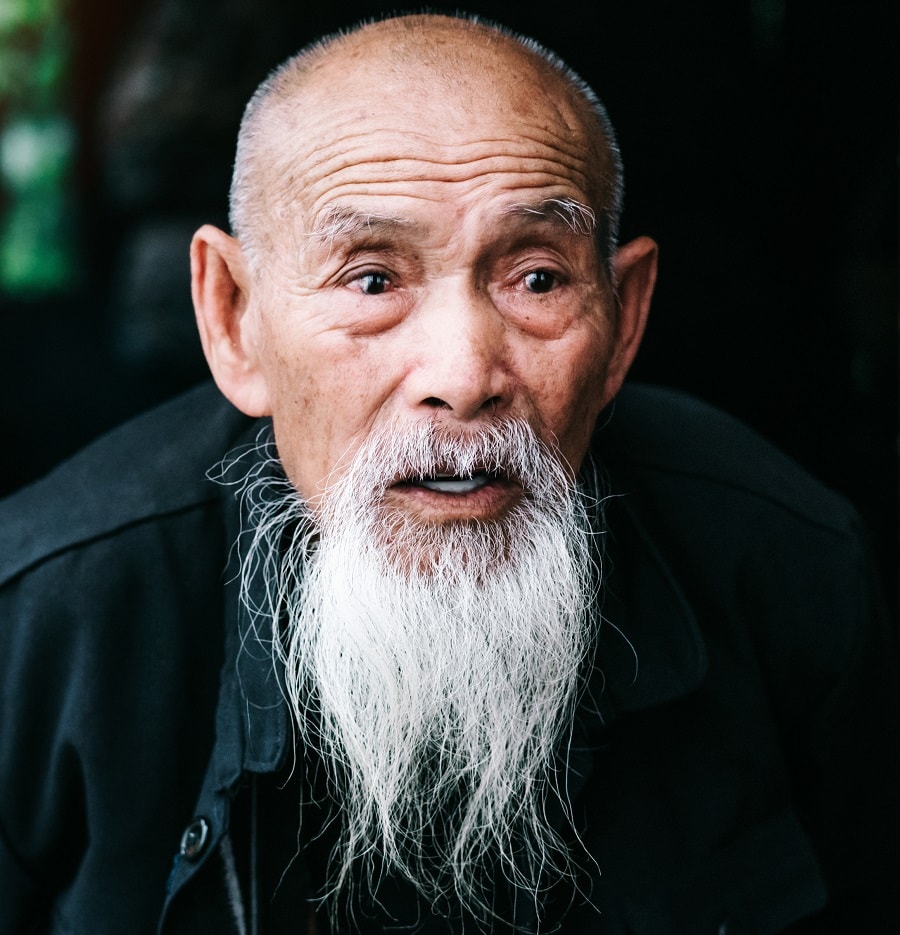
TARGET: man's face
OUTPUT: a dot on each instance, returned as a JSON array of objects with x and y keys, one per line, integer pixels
[{"x": 424, "y": 270}]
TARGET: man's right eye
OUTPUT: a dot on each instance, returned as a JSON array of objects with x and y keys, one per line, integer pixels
[{"x": 373, "y": 283}]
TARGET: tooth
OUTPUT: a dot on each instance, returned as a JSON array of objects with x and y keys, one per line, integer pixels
[{"x": 450, "y": 484}]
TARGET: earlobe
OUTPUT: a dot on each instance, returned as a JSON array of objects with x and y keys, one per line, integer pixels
[
  {"x": 634, "y": 277},
  {"x": 221, "y": 291}
]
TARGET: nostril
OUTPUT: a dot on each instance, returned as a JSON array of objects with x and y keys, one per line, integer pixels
[{"x": 435, "y": 402}]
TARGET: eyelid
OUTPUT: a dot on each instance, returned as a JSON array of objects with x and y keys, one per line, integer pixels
[{"x": 356, "y": 268}]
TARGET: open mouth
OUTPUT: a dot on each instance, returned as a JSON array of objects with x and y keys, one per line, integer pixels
[
  {"x": 454, "y": 484},
  {"x": 443, "y": 495}
]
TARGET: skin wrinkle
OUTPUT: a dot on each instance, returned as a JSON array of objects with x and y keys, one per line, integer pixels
[
  {"x": 323, "y": 167},
  {"x": 564, "y": 150},
  {"x": 473, "y": 152},
  {"x": 538, "y": 177}
]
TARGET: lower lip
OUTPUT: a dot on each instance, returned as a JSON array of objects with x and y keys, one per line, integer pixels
[{"x": 490, "y": 501}]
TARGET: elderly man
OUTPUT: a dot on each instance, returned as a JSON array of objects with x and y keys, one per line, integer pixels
[{"x": 450, "y": 634}]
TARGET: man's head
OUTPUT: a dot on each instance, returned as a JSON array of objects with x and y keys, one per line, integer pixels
[
  {"x": 423, "y": 293},
  {"x": 423, "y": 210}
]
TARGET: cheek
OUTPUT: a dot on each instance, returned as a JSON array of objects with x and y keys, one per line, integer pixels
[
  {"x": 324, "y": 402},
  {"x": 572, "y": 397}
]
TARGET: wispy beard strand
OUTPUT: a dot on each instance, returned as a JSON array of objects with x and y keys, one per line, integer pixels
[{"x": 435, "y": 671}]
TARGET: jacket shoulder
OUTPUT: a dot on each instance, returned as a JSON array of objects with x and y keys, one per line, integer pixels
[
  {"x": 665, "y": 436},
  {"x": 153, "y": 465}
]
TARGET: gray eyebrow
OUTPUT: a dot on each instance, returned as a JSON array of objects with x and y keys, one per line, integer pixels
[
  {"x": 341, "y": 222},
  {"x": 578, "y": 217}
]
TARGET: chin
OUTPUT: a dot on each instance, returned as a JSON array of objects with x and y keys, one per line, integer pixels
[{"x": 449, "y": 544}]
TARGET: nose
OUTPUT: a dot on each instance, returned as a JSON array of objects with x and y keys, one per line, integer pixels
[{"x": 460, "y": 357}]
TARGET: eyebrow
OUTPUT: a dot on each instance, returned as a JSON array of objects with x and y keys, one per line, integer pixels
[
  {"x": 347, "y": 222},
  {"x": 577, "y": 216}
]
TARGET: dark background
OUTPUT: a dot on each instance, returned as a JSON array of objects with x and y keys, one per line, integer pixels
[{"x": 760, "y": 147}]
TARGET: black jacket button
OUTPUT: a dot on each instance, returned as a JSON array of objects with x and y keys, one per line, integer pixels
[{"x": 194, "y": 839}]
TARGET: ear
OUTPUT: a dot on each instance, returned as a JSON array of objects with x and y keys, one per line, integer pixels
[
  {"x": 634, "y": 276},
  {"x": 220, "y": 287}
]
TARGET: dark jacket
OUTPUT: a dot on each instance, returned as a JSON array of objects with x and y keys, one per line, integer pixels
[{"x": 735, "y": 769}]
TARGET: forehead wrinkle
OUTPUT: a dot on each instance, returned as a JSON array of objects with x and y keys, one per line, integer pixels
[
  {"x": 451, "y": 159},
  {"x": 456, "y": 160},
  {"x": 511, "y": 178},
  {"x": 346, "y": 129}
]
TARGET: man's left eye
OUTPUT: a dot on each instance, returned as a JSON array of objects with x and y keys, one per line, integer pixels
[
  {"x": 373, "y": 283},
  {"x": 540, "y": 280}
]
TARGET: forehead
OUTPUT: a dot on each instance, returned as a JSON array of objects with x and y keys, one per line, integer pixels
[{"x": 465, "y": 121}]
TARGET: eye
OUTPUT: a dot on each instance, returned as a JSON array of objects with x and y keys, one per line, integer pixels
[
  {"x": 373, "y": 283},
  {"x": 540, "y": 280}
]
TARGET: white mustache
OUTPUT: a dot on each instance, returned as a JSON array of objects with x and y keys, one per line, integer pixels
[{"x": 508, "y": 449}]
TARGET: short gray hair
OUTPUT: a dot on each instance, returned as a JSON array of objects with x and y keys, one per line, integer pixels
[{"x": 246, "y": 211}]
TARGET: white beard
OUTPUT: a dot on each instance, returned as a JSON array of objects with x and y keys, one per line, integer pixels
[{"x": 435, "y": 667}]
